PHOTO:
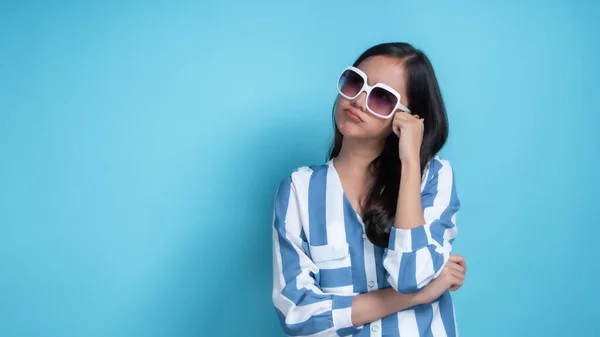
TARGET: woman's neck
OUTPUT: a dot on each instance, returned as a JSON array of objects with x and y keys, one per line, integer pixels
[
  {"x": 352, "y": 165},
  {"x": 356, "y": 155}
]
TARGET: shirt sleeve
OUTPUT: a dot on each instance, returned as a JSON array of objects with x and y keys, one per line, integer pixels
[
  {"x": 302, "y": 307},
  {"x": 415, "y": 257}
]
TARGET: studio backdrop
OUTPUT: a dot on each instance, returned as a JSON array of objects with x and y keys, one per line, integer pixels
[{"x": 141, "y": 144}]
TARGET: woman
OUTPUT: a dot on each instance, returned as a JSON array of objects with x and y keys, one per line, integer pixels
[{"x": 362, "y": 243}]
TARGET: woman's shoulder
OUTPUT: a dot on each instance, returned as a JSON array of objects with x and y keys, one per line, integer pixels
[
  {"x": 438, "y": 162},
  {"x": 438, "y": 167},
  {"x": 301, "y": 175}
]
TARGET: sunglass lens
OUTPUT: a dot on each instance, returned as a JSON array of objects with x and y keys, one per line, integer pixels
[
  {"x": 350, "y": 83},
  {"x": 382, "y": 101}
]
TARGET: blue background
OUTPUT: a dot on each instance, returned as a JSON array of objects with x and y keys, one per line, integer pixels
[{"x": 141, "y": 143}]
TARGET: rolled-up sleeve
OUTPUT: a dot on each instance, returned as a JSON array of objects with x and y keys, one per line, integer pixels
[
  {"x": 302, "y": 307},
  {"x": 415, "y": 257}
]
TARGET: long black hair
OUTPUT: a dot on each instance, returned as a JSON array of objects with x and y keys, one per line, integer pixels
[{"x": 425, "y": 99}]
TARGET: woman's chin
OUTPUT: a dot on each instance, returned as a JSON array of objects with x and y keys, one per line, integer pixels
[{"x": 353, "y": 130}]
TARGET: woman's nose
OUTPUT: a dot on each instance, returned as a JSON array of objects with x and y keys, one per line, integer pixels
[{"x": 360, "y": 102}]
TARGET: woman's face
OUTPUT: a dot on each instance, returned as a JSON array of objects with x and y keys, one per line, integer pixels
[{"x": 352, "y": 117}]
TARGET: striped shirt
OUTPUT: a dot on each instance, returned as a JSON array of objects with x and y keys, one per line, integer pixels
[{"x": 322, "y": 258}]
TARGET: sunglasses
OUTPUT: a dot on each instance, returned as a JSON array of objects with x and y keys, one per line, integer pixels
[{"x": 382, "y": 100}]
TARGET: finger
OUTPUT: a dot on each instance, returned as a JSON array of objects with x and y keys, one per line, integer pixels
[
  {"x": 399, "y": 124},
  {"x": 456, "y": 267},
  {"x": 456, "y": 283},
  {"x": 396, "y": 127},
  {"x": 458, "y": 275},
  {"x": 457, "y": 259},
  {"x": 404, "y": 114},
  {"x": 401, "y": 117}
]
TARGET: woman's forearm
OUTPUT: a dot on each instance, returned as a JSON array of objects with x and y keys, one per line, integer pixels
[
  {"x": 370, "y": 307},
  {"x": 409, "y": 213}
]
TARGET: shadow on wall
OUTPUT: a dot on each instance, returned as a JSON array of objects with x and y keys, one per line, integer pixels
[{"x": 219, "y": 282}]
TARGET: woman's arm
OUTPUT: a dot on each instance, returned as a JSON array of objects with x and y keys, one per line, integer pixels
[
  {"x": 409, "y": 212},
  {"x": 370, "y": 307},
  {"x": 425, "y": 227},
  {"x": 378, "y": 304}
]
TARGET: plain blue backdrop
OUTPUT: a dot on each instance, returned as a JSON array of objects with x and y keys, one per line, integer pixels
[{"x": 141, "y": 143}]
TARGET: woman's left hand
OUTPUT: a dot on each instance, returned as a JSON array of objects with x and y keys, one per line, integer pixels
[{"x": 409, "y": 128}]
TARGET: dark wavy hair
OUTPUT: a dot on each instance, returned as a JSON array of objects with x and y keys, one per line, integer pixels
[{"x": 425, "y": 99}]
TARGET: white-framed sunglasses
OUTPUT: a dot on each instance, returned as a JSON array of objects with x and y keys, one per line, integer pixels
[{"x": 382, "y": 101}]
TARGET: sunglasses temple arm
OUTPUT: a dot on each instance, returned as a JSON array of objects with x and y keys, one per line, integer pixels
[{"x": 402, "y": 107}]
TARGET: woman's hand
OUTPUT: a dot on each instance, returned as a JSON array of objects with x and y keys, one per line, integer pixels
[
  {"x": 369, "y": 307},
  {"x": 409, "y": 128},
  {"x": 459, "y": 269},
  {"x": 451, "y": 278}
]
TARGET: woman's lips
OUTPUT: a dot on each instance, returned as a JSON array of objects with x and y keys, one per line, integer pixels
[{"x": 353, "y": 114}]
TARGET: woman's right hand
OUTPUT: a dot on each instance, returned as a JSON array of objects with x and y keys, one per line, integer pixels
[{"x": 451, "y": 278}]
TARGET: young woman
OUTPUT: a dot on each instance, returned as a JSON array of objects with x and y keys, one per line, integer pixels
[{"x": 362, "y": 243}]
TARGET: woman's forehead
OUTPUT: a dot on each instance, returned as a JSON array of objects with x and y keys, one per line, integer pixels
[{"x": 384, "y": 69}]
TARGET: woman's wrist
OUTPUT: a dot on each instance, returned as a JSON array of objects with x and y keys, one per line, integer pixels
[
  {"x": 419, "y": 297},
  {"x": 411, "y": 165},
  {"x": 403, "y": 301}
]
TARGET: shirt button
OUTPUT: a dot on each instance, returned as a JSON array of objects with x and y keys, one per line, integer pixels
[
  {"x": 371, "y": 284},
  {"x": 375, "y": 328}
]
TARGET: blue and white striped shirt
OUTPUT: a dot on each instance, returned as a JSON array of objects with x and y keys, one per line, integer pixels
[{"x": 322, "y": 258}]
